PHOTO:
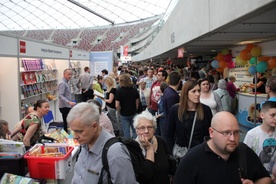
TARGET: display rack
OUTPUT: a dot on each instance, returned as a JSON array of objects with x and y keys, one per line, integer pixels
[
  {"x": 76, "y": 68},
  {"x": 38, "y": 79}
]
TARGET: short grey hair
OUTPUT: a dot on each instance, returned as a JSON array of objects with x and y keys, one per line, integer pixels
[
  {"x": 85, "y": 112},
  {"x": 232, "y": 77},
  {"x": 144, "y": 115},
  {"x": 2, "y": 123},
  {"x": 222, "y": 84}
]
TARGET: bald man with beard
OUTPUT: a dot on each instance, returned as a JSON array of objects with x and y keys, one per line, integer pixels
[{"x": 216, "y": 160}]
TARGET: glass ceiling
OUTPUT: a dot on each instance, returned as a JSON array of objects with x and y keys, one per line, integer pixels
[{"x": 70, "y": 14}]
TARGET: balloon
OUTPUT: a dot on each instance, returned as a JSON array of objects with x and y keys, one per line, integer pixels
[
  {"x": 225, "y": 51},
  {"x": 222, "y": 64},
  {"x": 253, "y": 61},
  {"x": 215, "y": 64},
  {"x": 256, "y": 51},
  {"x": 220, "y": 56},
  {"x": 239, "y": 61},
  {"x": 252, "y": 70},
  {"x": 261, "y": 66},
  {"x": 271, "y": 63},
  {"x": 245, "y": 54},
  {"x": 231, "y": 64},
  {"x": 220, "y": 69},
  {"x": 263, "y": 58},
  {"x": 228, "y": 57},
  {"x": 249, "y": 46}
]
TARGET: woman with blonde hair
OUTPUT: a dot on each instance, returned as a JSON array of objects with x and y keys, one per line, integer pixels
[
  {"x": 188, "y": 112},
  {"x": 110, "y": 102},
  {"x": 127, "y": 101}
]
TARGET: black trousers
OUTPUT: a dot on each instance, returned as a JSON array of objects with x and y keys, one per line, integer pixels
[
  {"x": 87, "y": 95},
  {"x": 64, "y": 111}
]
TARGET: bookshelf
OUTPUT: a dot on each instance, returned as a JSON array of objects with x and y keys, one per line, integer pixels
[
  {"x": 76, "y": 68},
  {"x": 38, "y": 79}
]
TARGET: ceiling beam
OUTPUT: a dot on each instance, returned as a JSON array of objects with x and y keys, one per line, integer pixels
[{"x": 91, "y": 11}]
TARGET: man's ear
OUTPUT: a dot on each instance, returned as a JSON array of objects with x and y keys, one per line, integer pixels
[
  {"x": 262, "y": 115},
  {"x": 211, "y": 132}
]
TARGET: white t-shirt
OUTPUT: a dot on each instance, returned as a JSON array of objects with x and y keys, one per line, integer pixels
[
  {"x": 263, "y": 145},
  {"x": 211, "y": 102}
]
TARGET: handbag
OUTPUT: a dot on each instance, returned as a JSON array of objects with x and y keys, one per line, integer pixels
[{"x": 179, "y": 151}]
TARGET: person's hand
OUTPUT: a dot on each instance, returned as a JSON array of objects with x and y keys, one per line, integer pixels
[
  {"x": 145, "y": 143},
  {"x": 8, "y": 136},
  {"x": 246, "y": 181},
  {"x": 72, "y": 104}
]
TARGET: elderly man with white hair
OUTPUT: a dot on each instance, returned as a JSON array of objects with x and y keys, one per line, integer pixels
[{"x": 224, "y": 96}]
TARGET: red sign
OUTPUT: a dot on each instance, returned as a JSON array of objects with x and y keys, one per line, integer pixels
[
  {"x": 125, "y": 50},
  {"x": 22, "y": 46},
  {"x": 180, "y": 52}
]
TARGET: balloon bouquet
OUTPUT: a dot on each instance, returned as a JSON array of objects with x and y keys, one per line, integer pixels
[{"x": 250, "y": 56}]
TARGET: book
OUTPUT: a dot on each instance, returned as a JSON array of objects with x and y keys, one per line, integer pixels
[
  {"x": 96, "y": 93},
  {"x": 12, "y": 147},
  {"x": 9, "y": 178}
]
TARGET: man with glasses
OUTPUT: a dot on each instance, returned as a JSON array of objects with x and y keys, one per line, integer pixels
[
  {"x": 216, "y": 160},
  {"x": 84, "y": 121}
]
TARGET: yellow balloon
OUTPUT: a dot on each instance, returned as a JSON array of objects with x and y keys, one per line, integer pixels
[
  {"x": 243, "y": 63},
  {"x": 256, "y": 51},
  {"x": 240, "y": 62},
  {"x": 225, "y": 51}
]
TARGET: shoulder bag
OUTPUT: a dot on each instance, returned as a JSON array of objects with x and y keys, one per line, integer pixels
[{"x": 179, "y": 151}]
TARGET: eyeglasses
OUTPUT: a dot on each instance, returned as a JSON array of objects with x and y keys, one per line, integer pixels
[
  {"x": 228, "y": 133},
  {"x": 143, "y": 128}
]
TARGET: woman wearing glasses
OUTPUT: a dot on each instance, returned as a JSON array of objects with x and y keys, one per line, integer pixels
[
  {"x": 188, "y": 112},
  {"x": 156, "y": 167}
]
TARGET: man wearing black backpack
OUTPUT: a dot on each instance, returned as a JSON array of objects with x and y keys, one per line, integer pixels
[{"x": 84, "y": 121}]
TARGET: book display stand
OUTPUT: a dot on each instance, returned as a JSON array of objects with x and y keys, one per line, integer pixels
[
  {"x": 38, "y": 78},
  {"x": 76, "y": 68}
]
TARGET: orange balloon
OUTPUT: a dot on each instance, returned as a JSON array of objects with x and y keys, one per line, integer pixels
[
  {"x": 220, "y": 56},
  {"x": 271, "y": 63},
  {"x": 220, "y": 69},
  {"x": 245, "y": 54},
  {"x": 249, "y": 46},
  {"x": 263, "y": 58},
  {"x": 222, "y": 64}
]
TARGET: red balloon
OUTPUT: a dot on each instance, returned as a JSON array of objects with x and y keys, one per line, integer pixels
[
  {"x": 228, "y": 57},
  {"x": 245, "y": 54},
  {"x": 231, "y": 64},
  {"x": 249, "y": 46},
  {"x": 263, "y": 58}
]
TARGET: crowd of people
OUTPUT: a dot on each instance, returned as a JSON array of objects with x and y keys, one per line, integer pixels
[{"x": 169, "y": 111}]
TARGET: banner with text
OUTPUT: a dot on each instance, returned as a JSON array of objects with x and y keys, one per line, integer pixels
[{"x": 100, "y": 61}]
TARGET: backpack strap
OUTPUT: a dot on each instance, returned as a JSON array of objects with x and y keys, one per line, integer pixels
[
  {"x": 105, "y": 167},
  {"x": 241, "y": 151}
]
